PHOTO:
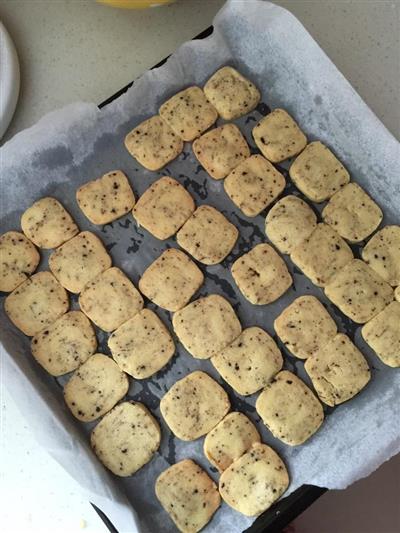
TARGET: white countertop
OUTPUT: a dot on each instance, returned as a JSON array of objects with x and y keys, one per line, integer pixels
[{"x": 78, "y": 50}]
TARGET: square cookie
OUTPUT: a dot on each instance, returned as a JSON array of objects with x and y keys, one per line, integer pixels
[
  {"x": 382, "y": 333},
  {"x": 18, "y": 260},
  {"x": 194, "y": 405},
  {"x": 278, "y": 136},
  {"x": 110, "y": 299},
  {"x": 253, "y": 185},
  {"x": 36, "y": 303},
  {"x": 153, "y": 143},
  {"x": 79, "y": 260},
  {"x": 255, "y": 481},
  {"x": 352, "y": 213},
  {"x": 305, "y": 326},
  {"x": 229, "y": 440},
  {"x": 47, "y": 224},
  {"x": 261, "y": 275},
  {"x": 250, "y": 362},
  {"x": 163, "y": 208},
  {"x": 231, "y": 94},
  {"x": 220, "y": 150},
  {"x": 95, "y": 388},
  {"x": 338, "y": 370},
  {"x": 207, "y": 236},
  {"x": 126, "y": 438},
  {"x": 171, "y": 280},
  {"x": 188, "y": 113},
  {"x": 289, "y": 409},
  {"x": 142, "y": 345},
  {"x": 359, "y": 292},
  {"x": 382, "y": 254},
  {"x": 322, "y": 255},
  {"x": 317, "y": 173},
  {"x": 64, "y": 345},
  {"x": 289, "y": 222},
  {"x": 206, "y": 326},
  {"x": 188, "y": 495},
  {"x": 107, "y": 198}
]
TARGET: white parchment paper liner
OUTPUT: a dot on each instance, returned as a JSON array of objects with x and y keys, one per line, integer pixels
[{"x": 77, "y": 143}]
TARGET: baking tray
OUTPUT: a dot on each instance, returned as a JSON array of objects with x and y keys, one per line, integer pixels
[{"x": 285, "y": 510}]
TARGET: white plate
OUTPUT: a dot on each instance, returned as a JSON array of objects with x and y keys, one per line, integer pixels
[{"x": 9, "y": 79}]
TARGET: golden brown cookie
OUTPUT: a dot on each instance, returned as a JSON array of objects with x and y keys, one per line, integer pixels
[
  {"x": 110, "y": 299},
  {"x": 382, "y": 333},
  {"x": 188, "y": 495},
  {"x": 229, "y": 440},
  {"x": 359, "y": 292},
  {"x": 36, "y": 303},
  {"x": 171, "y": 280},
  {"x": 208, "y": 235},
  {"x": 79, "y": 260},
  {"x": 163, "y": 208},
  {"x": 107, "y": 198},
  {"x": 254, "y": 185},
  {"x": 289, "y": 409},
  {"x": 153, "y": 143},
  {"x": 220, "y": 150},
  {"x": 322, "y": 255},
  {"x": 194, "y": 405},
  {"x": 305, "y": 326},
  {"x": 95, "y": 387},
  {"x": 206, "y": 326},
  {"x": 126, "y": 438},
  {"x": 255, "y": 481},
  {"x": 278, "y": 136},
  {"x": 47, "y": 224},
  {"x": 65, "y": 344},
  {"x": 338, "y": 370},
  {"x": 189, "y": 113},
  {"x": 261, "y": 275},
  {"x": 289, "y": 222},
  {"x": 250, "y": 361},
  {"x": 317, "y": 173},
  {"x": 352, "y": 213},
  {"x": 18, "y": 260},
  {"x": 382, "y": 254},
  {"x": 231, "y": 94},
  {"x": 142, "y": 345}
]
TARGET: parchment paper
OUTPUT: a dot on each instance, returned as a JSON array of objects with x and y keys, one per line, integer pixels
[{"x": 78, "y": 143}]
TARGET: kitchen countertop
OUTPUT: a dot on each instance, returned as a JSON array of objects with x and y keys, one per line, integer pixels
[{"x": 78, "y": 50}]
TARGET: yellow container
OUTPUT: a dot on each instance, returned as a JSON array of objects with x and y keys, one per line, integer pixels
[{"x": 135, "y": 4}]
